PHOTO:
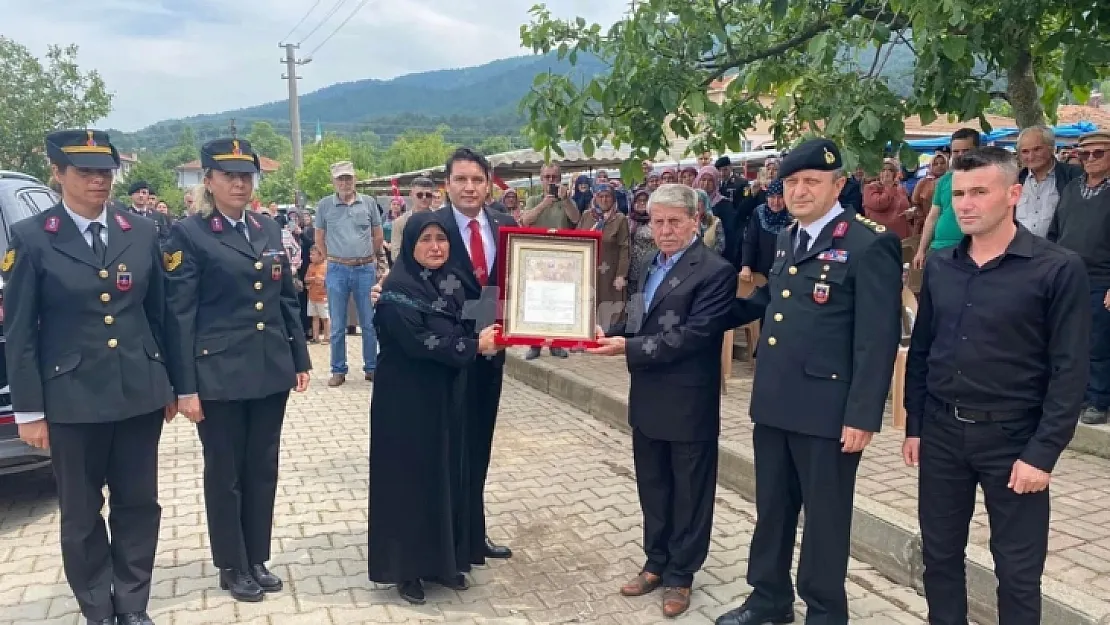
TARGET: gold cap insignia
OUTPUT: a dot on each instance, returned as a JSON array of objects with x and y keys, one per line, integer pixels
[
  {"x": 235, "y": 149},
  {"x": 829, "y": 158},
  {"x": 91, "y": 142},
  {"x": 9, "y": 260},
  {"x": 171, "y": 261}
]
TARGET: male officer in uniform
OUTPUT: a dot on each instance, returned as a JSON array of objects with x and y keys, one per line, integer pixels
[
  {"x": 83, "y": 317},
  {"x": 141, "y": 204},
  {"x": 830, "y": 334}
]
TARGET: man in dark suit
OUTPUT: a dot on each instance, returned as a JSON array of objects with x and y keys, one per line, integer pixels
[
  {"x": 84, "y": 321},
  {"x": 672, "y": 343},
  {"x": 826, "y": 355},
  {"x": 140, "y": 205},
  {"x": 473, "y": 232}
]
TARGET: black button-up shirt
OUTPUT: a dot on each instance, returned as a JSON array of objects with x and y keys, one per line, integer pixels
[{"x": 1010, "y": 335}]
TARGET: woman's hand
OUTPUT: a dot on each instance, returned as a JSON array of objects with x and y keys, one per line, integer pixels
[
  {"x": 746, "y": 274},
  {"x": 302, "y": 381},
  {"x": 487, "y": 342},
  {"x": 190, "y": 407}
]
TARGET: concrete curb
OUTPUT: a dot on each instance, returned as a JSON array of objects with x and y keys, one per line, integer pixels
[{"x": 881, "y": 536}]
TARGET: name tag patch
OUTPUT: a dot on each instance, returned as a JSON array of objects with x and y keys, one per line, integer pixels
[{"x": 836, "y": 256}]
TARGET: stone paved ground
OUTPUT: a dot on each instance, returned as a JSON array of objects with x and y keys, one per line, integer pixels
[
  {"x": 1079, "y": 538},
  {"x": 562, "y": 495}
]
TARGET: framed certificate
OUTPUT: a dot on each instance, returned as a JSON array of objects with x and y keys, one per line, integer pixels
[{"x": 548, "y": 277}]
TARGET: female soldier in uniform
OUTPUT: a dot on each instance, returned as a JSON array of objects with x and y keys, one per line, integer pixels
[
  {"x": 236, "y": 347},
  {"x": 83, "y": 307}
]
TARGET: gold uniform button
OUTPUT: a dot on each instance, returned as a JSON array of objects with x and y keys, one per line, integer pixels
[
  {"x": 112, "y": 343},
  {"x": 793, "y": 270},
  {"x": 771, "y": 341},
  {"x": 258, "y": 265},
  {"x": 834, "y": 376},
  {"x": 825, "y": 268},
  {"x": 823, "y": 276},
  {"x": 258, "y": 306},
  {"x": 778, "y": 316},
  {"x": 261, "y": 326},
  {"x": 103, "y": 274},
  {"x": 204, "y": 352},
  {"x": 785, "y": 293},
  {"x": 257, "y": 286},
  {"x": 109, "y": 320},
  {"x": 104, "y": 297}
]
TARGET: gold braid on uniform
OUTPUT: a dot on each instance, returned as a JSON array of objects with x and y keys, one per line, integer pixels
[{"x": 877, "y": 227}]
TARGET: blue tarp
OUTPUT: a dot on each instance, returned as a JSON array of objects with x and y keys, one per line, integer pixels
[{"x": 1006, "y": 135}]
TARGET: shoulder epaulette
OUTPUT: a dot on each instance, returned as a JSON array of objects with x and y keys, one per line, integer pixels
[{"x": 873, "y": 225}]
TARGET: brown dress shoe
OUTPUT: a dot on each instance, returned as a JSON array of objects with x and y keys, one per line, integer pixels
[
  {"x": 336, "y": 379},
  {"x": 641, "y": 585},
  {"x": 369, "y": 376},
  {"x": 675, "y": 601}
]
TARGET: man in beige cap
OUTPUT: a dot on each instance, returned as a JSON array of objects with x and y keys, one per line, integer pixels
[
  {"x": 349, "y": 233},
  {"x": 1082, "y": 224}
]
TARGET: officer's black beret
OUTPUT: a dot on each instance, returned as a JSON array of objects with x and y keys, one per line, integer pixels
[
  {"x": 87, "y": 149},
  {"x": 724, "y": 161},
  {"x": 819, "y": 154},
  {"x": 137, "y": 186},
  {"x": 230, "y": 155}
]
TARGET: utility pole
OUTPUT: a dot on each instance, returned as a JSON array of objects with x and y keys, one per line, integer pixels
[{"x": 291, "y": 64}]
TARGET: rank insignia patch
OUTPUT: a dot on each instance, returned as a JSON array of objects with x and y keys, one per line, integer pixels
[
  {"x": 172, "y": 261},
  {"x": 9, "y": 260},
  {"x": 123, "y": 281}
]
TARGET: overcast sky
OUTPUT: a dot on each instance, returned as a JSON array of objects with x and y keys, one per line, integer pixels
[{"x": 173, "y": 58}]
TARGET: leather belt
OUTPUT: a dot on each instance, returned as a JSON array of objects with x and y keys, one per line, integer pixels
[
  {"x": 352, "y": 262},
  {"x": 970, "y": 415}
]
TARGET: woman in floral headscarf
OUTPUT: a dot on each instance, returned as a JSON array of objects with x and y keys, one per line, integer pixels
[
  {"x": 710, "y": 230},
  {"x": 643, "y": 244},
  {"x": 762, "y": 233},
  {"x": 709, "y": 181},
  {"x": 688, "y": 175},
  {"x": 612, "y": 271}
]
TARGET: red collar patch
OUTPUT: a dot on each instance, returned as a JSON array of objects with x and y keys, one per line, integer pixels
[
  {"x": 122, "y": 222},
  {"x": 841, "y": 230},
  {"x": 52, "y": 224},
  {"x": 254, "y": 222},
  {"x": 217, "y": 223}
]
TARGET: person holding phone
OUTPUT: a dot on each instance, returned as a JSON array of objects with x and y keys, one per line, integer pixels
[{"x": 556, "y": 209}]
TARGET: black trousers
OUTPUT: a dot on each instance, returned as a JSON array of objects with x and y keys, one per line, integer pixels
[
  {"x": 108, "y": 576},
  {"x": 677, "y": 484},
  {"x": 241, "y": 441},
  {"x": 483, "y": 395},
  {"x": 792, "y": 470},
  {"x": 955, "y": 458}
]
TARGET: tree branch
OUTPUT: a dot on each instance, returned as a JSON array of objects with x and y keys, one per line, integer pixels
[{"x": 724, "y": 29}]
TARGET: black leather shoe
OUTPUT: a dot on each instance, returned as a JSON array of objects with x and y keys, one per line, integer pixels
[
  {"x": 413, "y": 592},
  {"x": 458, "y": 582},
  {"x": 134, "y": 618},
  {"x": 241, "y": 585},
  {"x": 111, "y": 620},
  {"x": 497, "y": 551},
  {"x": 267, "y": 580},
  {"x": 559, "y": 352},
  {"x": 753, "y": 616}
]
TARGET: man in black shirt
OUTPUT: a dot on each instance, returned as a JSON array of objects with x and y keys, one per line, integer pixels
[{"x": 994, "y": 382}]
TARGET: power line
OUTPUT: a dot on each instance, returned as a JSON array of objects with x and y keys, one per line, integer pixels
[
  {"x": 338, "y": 28},
  {"x": 327, "y": 17},
  {"x": 298, "y": 24}
]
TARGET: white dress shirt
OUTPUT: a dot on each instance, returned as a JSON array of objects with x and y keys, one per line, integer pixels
[
  {"x": 489, "y": 245},
  {"x": 814, "y": 229},
  {"x": 82, "y": 224},
  {"x": 1038, "y": 203}
]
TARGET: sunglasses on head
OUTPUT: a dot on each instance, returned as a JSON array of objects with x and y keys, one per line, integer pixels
[
  {"x": 423, "y": 195},
  {"x": 1086, "y": 154}
]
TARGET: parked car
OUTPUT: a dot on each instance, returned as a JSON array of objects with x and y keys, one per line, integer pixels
[{"x": 21, "y": 196}]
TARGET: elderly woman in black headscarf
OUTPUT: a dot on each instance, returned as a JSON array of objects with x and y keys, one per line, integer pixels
[
  {"x": 761, "y": 235},
  {"x": 418, "y": 529},
  {"x": 583, "y": 196}
]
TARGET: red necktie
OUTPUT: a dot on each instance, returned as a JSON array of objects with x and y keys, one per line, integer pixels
[{"x": 478, "y": 253}]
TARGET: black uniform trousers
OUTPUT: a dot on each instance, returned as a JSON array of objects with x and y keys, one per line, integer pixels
[
  {"x": 483, "y": 396},
  {"x": 793, "y": 469},
  {"x": 677, "y": 485},
  {"x": 241, "y": 441},
  {"x": 955, "y": 458},
  {"x": 108, "y": 576}
]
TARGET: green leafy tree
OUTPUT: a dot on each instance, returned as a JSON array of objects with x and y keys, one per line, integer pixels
[
  {"x": 38, "y": 97},
  {"x": 160, "y": 178},
  {"x": 414, "y": 150},
  {"x": 797, "y": 63},
  {"x": 267, "y": 142},
  {"x": 279, "y": 186},
  {"x": 314, "y": 178},
  {"x": 185, "y": 150},
  {"x": 366, "y": 148},
  {"x": 495, "y": 145}
]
